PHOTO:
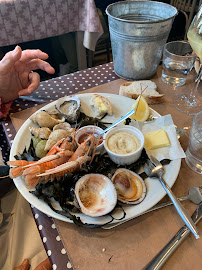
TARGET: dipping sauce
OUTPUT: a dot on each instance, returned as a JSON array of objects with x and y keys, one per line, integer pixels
[
  {"x": 85, "y": 135},
  {"x": 123, "y": 143}
]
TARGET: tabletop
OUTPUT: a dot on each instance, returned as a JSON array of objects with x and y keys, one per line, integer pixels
[{"x": 136, "y": 242}]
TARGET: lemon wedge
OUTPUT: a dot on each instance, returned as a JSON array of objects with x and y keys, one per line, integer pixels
[{"x": 142, "y": 110}]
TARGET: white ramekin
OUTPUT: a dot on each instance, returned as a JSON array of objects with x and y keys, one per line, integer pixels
[
  {"x": 90, "y": 129},
  {"x": 128, "y": 158}
]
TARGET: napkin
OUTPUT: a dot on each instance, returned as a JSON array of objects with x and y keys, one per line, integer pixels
[{"x": 172, "y": 152}]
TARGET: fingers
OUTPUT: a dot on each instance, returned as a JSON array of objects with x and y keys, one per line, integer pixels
[
  {"x": 34, "y": 84},
  {"x": 24, "y": 265},
  {"x": 45, "y": 265},
  {"x": 40, "y": 64},
  {"x": 28, "y": 55},
  {"x": 10, "y": 59}
]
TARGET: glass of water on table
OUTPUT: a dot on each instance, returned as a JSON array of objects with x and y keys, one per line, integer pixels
[
  {"x": 194, "y": 150},
  {"x": 178, "y": 61}
]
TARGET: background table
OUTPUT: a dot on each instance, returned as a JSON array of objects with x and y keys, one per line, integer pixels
[
  {"x": 147, "y": 234},
  {"x": 27, "y": 20}
]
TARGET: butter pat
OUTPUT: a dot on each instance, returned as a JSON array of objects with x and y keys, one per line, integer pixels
[{"x": 156, "y": 139}]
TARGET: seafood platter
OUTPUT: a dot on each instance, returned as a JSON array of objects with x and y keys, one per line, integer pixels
[{"x": 62, "y": 166}]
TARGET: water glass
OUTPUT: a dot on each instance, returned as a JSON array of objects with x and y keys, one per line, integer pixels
[
  {"x": 194, "y": 150},
  {"x": 178, "y": 60}
]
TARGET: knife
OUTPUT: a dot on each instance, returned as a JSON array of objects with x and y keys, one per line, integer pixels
[{"x": 174, "y": 243}]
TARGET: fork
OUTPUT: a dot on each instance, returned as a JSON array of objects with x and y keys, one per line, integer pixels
[
  {"x": 158, "y": 171},
  {"x": 194, "y": 195}
]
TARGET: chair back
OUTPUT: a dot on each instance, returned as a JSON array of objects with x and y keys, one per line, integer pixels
[{"x": 188, "y": 8}]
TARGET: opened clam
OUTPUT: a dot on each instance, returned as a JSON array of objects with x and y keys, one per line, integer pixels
[
  {"x": 69, "y": 107},
  {"x": 95, "y": 194},
  {"x": 130, "y": 187}
]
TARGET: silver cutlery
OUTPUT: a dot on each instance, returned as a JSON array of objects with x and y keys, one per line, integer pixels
[
  {"x": 194, "y": 195},
  {"x": 153, "y": 168},
  {"x": 174, "y": 243},
  {"x": 117, "y": 122}
]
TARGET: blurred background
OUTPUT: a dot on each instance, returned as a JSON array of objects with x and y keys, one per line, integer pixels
[{"x": 62, "y": 49}]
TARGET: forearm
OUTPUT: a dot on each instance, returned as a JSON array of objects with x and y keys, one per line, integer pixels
[{"x": 4, "y": 108}]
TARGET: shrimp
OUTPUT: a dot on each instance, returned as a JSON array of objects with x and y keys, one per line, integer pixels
[
  {"x": 30, "y": 171},
  {"x": 59, "y": 154},
  {"x": 59, "y": 160},
  {"x": 67, "y": 143},
  {"x": 80, "y": 157},
  {"x": 62, "y": 145}
]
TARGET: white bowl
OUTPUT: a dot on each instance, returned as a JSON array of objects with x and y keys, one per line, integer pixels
[
  {"x": 90, "y": 129},
  {"x": 124, "y": 159}
]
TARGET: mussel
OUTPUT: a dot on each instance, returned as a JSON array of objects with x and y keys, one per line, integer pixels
[
  {"x": 95, "y": 195},
  {"x": 130, "y": 187},
  {"x": 69, "y": 107}
]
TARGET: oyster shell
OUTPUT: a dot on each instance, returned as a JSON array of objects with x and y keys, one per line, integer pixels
[
  {"x": 69, "y": 107},
  {"x": 46, "y": 119},
  {"x": 130, "y": 187},
  {"x": 95, "y": 194}
]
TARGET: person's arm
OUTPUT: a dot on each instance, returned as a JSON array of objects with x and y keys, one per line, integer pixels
[{"x": 4, "y": 108}]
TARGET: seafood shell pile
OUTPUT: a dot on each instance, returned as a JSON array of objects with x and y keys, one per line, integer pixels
[
  {"x": 95, "y": 194},
  {"x": 52, "y": 124}
]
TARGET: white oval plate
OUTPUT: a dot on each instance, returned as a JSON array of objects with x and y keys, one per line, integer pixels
[{"x": 121, "y": 105}]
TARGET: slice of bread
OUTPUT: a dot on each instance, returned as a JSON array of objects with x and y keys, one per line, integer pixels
[
  {"x": 101, "y": 105},
  {"x": 147, "y": 87}
]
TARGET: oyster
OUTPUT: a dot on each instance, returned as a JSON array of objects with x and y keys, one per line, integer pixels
[
  {"x": 46, "y": 119},
  {"x": 130, "y": 187},
  {"x": 69, "y": 107},
  {"x": 95, "y": 195}
]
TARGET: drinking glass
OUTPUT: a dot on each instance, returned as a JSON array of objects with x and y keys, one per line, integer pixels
[
  {"x": 194, "y": 150},
  {"x": 178, "y": 61},
  {"x": 191, "y": 102}
]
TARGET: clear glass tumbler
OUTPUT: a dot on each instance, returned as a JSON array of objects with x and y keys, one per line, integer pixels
[
  {"x": 194, "y": 150},
  {"x": 178, "y": 61}
]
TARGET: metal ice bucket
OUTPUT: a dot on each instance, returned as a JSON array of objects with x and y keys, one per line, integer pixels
[{"x": 138, "y": 32}]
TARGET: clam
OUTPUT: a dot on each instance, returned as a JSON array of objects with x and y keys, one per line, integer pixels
[
  {"x": 95, "y": 194},
  {"x": 130, "y": 187},
  {"x": 47, "y": 119},
  {"x": 69, "y": 107}
]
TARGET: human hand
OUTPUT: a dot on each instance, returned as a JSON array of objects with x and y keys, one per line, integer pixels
[
  {"x": 45, "y": 265},
  {"x": 16, "y": 76}
]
